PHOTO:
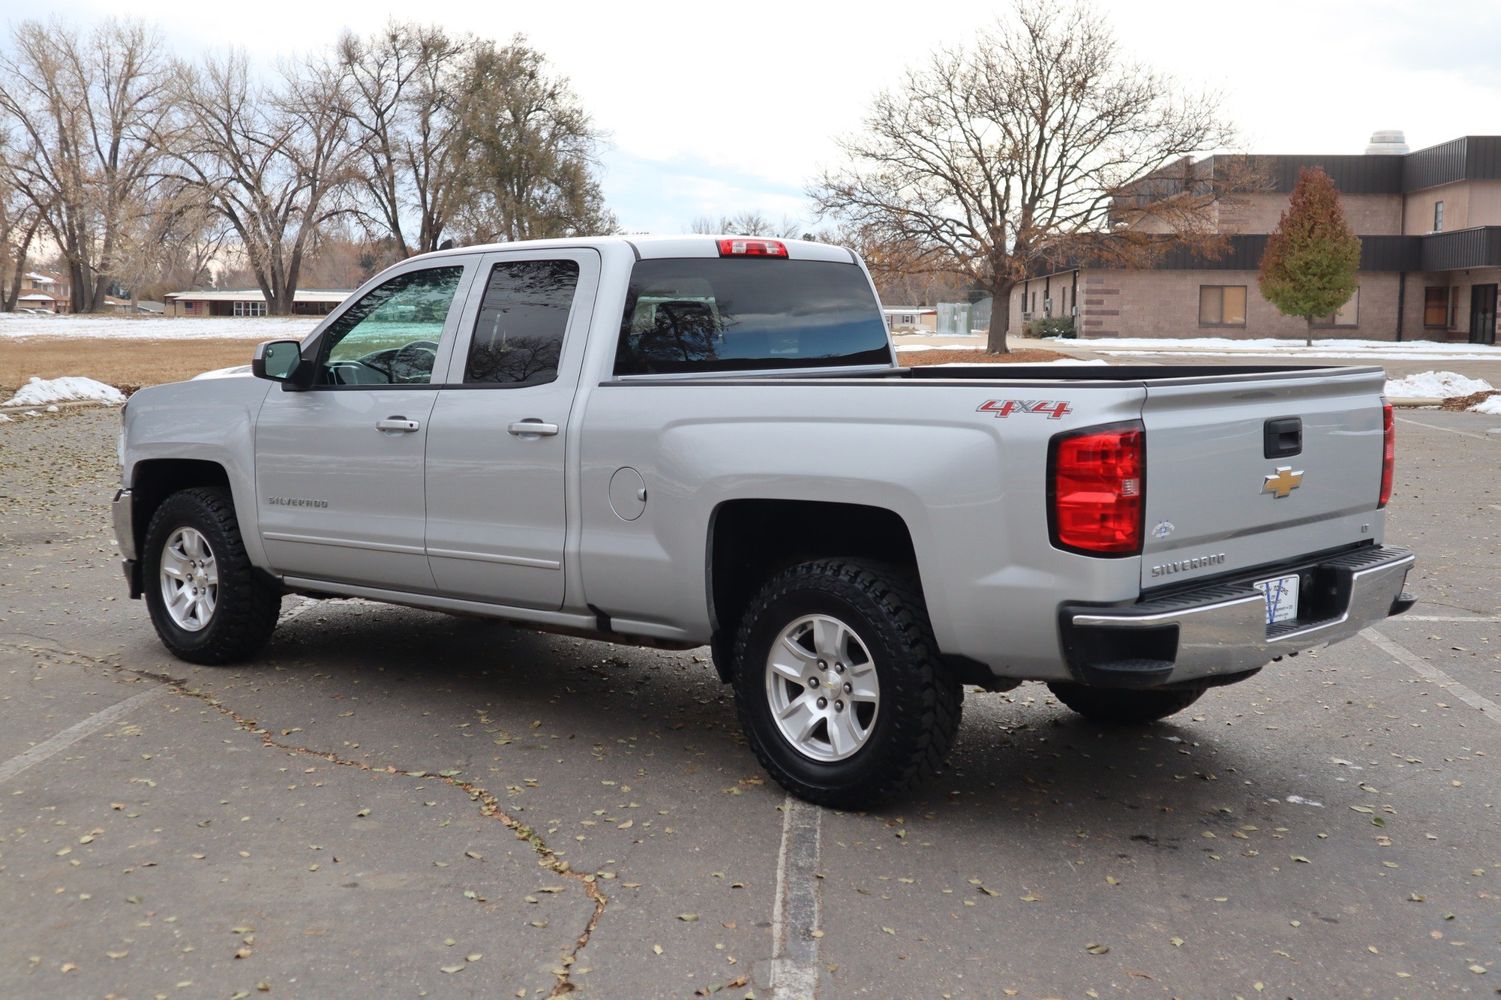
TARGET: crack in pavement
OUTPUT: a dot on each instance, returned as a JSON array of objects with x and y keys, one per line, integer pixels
[{"x": 489, "y": 807}]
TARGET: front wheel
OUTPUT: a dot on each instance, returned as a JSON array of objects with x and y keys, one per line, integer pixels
[
  {"x": 1113, "y": 707},
  {"x": 839, "y": 684},
  {"x": 206, "y": 601}
]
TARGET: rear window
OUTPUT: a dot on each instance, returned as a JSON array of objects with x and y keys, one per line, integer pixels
[{"x": 728, "y": 314}]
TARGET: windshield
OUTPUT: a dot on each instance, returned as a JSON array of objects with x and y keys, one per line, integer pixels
[{"x": 730, "y": 314}]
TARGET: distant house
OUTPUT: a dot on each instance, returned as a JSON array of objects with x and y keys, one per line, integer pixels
[
  {"x": 40, "y": 290},
  {"x": 250, "y": 302},
  {"x": 910, "y": 319}
]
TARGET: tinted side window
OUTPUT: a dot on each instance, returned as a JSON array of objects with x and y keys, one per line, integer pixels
[
  {"x": 723, "y": 314},
  {"x": 518, "y": 337},
  {"x": 390, "y": 336}
]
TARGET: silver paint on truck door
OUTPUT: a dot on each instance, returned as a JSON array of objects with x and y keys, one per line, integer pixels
[
  {"x": 339, "y": 466},
  {"x": 496, "y": 452}
]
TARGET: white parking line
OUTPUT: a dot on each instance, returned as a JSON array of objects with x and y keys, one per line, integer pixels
[
  {"x": 74, "y": 733},
  {"x": 1429, "y": 672},
  {"x": 794, "y": 918},
  {"x": 1446, "y": 430}
]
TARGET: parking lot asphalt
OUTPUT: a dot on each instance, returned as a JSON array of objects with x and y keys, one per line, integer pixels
[{"x": 396, "y": 803}]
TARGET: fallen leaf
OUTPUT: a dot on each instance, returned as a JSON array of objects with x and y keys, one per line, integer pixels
[
  {"x": 1300, "y": 859},
  {"x": 657, "y": 948},
  {"x": 1097, "y": 949},
  {"x": 450, "y": 969},
  {"x": 687, "y": 918}
]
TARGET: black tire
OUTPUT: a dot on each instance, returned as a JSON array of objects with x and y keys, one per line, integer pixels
[
  {"x": 1118, "y": 707},
  {"x": 245, "y": 607},
  {"x": 917, "y": 715}
]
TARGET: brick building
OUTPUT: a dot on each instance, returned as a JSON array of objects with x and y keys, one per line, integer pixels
[{"x": 1430, "y": 229}]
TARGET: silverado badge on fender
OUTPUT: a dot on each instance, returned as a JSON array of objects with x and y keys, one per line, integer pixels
[{"x": 1282, "y": 482}]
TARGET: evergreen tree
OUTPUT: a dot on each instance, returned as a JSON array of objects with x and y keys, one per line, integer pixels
[{"x": 1312, "y": 257}]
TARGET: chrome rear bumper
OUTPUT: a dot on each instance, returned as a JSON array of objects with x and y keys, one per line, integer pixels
[{"x": 1213, "y": 633}]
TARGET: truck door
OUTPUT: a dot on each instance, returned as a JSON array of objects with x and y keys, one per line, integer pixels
[
  {"x": 497, "y": 451},
  {"x": 339, "y": 465}
]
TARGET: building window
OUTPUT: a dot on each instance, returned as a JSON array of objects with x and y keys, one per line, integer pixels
[
  {"x": 1347, "y": 314},
  {"x": 1435, "y": 306},
  {"x": 1222, "y": 305},
  {"x": 250, "y": 308},
  {"x": 1438, "y": 216}
]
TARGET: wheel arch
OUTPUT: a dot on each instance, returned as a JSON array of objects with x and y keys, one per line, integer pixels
[
  {"x": 152, "y": 481},
  {"x": 751, "y": 539}
]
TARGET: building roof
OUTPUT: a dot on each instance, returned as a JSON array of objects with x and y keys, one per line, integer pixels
[
  {"x": 37, "y": 297},
  {"x": 334, "y": 295},
  {"x": 40, "y": 279}
]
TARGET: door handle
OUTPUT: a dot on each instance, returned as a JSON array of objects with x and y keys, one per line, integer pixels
[
  {"x": 397, "y": 424},
  {"x": 532, "y": 427}
]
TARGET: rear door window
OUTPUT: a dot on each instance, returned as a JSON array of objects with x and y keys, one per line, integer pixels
[
  {"x": 729, "y": 314},
  {"x": 518, "y": 336}
]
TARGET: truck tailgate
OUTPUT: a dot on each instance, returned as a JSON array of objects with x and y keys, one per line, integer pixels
[{"x": 1256, "y": 470}]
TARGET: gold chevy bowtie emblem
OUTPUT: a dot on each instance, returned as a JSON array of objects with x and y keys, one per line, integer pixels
[{"x": 1283, "y": 483}]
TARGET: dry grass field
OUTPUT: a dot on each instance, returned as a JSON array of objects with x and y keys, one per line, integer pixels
[{"x": 128, "y": 364}]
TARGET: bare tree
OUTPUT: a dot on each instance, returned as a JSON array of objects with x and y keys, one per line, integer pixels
[
  {"x": 19, "y": 220},
  {"x": 405, "y": 85},
  {"x": 1009, "y": 155},
  {"x": 274, "y": 162},
  {"x": 533, "y": 151},
  {"x": 749, "y": 222},
  {"x": 86, "y": 111}
]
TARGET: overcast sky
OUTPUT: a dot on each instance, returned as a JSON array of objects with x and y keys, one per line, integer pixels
[{"x": 715, "y": 108}]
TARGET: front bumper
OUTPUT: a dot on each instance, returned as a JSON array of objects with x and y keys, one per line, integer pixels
[
  {"x": 1213, "y": 633},
  {"x": 123, "y": 512}
]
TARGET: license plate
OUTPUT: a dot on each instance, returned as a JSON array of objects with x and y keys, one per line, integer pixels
[{"x": 1281, "y": 598}]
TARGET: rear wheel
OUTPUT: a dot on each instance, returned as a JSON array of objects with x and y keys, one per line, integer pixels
[
  {"x": 839, "y": 684},
  {"x": 1116, "y": 707},
  {"x": 206, "y": 601}
]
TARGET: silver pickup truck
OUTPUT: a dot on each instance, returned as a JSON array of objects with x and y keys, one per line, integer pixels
[{"x": 690, "y": 440}]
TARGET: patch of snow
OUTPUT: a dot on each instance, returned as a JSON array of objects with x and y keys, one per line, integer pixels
[
  {"x": 1434, "y": 385},
  {"x": 1490, "y": 407},
  {"x": 39, "y": 392},
  {"x": 15, "y": 325},
  {"x": 6, "y": 418},
  {"x": 940, "y": 347},
  {"x": 1373, "y": 350},
  {"x": 1069, "y": 362},
  {"x": 1299, "y": 800},
  {"x": 231, "y": 372}
]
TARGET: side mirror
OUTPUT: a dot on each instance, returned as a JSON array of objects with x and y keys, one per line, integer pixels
[{"x": 276, "y": 360}]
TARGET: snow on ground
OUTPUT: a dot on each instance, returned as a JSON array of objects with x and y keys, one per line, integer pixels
[
  {"x": 901, "y": 348},
  {"x": 1434, "y": 385},
  {"x": 1071, "y": 362},
  {"x": 1372, "y": 350},
  {"x": 1490, "y": 407},
  {"x": 15, "y": 325},
  {"x": 69, "y": 388}
]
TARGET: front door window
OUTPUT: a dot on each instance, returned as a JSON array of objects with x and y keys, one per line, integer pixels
[{"x": 391, "y": 335}]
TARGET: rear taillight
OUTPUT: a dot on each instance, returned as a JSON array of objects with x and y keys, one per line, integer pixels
[
  {"x": 752, "y": 248},
  {"x": 1388, "y": 453},
  {"x": 1097, "y": 489}
]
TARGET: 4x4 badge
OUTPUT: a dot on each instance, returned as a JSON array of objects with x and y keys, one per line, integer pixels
[
  {"x": 1283, "y": 482},
  {"x": 1006, "y": 407}
]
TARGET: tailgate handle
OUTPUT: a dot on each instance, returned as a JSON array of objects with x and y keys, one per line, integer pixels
[{"x": 1282, "y": 437}]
